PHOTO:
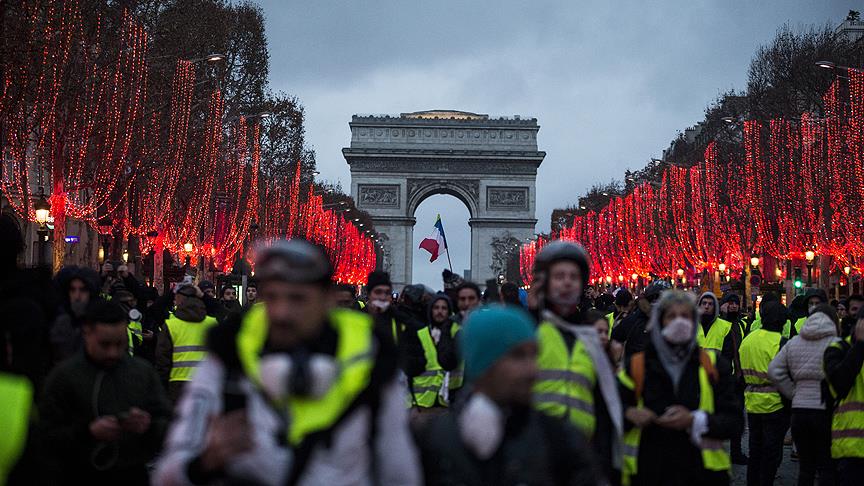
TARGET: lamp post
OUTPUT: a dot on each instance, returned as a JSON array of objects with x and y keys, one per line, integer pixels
[
  {"x": 809, "y": 255},
  {"x": 43, "y": 213}
]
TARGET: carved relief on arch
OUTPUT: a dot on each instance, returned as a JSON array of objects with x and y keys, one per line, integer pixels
[
  {"x": 385, "y": 251},
  {"x": 465, "y": 188}
]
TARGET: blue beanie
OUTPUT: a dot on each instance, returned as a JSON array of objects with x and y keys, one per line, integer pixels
[{"x": 490, "y": 333}]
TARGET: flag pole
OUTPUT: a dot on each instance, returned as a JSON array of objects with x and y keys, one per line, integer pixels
[{"x": 444, "y": 235}]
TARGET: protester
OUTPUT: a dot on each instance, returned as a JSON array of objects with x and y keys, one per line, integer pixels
[
  {"x": 623, "y": 305},
  {"x": 797, "y": 373},
  {"x": 767, "y": 417},
  {"x": 680, "y": 403},
  {"x": 510, "y": 294},
  {"x": 842, "y": 305},
  {"x": 208, "y": 288},
  {"x": 495, "y": 428},
  {"x": 336, "y": 401},
  {"x": 813, "y": 298},
  {"x": 844, "y": 373},
  {"x": 343, "y": 296},
  {"x": 600, "y": 323},
  {"x": 396, "y": 322},
  {"x": 251, "y": 295},
  {"x": 855, "y": 303},
  {"x": 180, "y": 345},
  {"x": 442, "y": 375},
  {"x": 104, "y": 413},
  {"x": 467, "y": 299},
  {"x": 576, "y": 381},
  {"x": 632, "y": 331},
  {"x": 77, "y": 287},
  {"x": 229, "y": 299}
]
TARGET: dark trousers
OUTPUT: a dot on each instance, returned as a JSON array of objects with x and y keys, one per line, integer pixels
[
  {"x": 850, "y": 471},
  {"x": 767, "y": 431},
  {"x": 811, "y": 430}
]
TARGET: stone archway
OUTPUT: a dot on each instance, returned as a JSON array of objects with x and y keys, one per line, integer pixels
[{"x": 488, "y": 164}]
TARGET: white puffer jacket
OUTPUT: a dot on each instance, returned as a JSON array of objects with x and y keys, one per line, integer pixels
[{"x": 797, "y": 370}]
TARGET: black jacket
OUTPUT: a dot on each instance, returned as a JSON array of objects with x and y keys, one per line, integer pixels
[
  {"x": 536, "y": 450},
  {"x": 631, "y": 332},
  {"x": 77, "y": 392},
  {"x": 668, "y": 457},
  {"x": 843, "y": 365}
]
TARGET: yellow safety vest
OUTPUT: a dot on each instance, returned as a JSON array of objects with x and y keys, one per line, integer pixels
[
  {"x": 847, "y": 423},
  {"x": 16, "y": 400},
  {"x": 757, "y": 350},
  {"x": 135, "y": 333},
  {"x": 611, "y": 318},
  {"x": 714, "y": 456},
  {"x": 427, "y": 386},
  {"x": 355, "y": 353},
  {"x": 799, "y": 324},
  {"x": 189, "y": 340},
  {"x": 566, "y": 380},
  {"x": 716, "y": 335}
]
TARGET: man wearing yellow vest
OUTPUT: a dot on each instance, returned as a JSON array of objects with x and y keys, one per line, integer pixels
[
  {"x": 814, "y": 298},
  {"x": 767, "y": 416},
  {"x": 293, "y": 392},
  {"x": 441, "y": 378},
  {"x": 180, "y": 346},
  {"x": 844, "y": 372},
  {"x": 575, "y": 381},
  {"x": 623, "y": 304}
]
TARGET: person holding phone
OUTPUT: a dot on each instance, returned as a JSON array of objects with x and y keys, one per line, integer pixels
[{"x": 104, "y": 413}]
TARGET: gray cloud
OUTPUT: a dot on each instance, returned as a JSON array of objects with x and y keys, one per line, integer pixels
[{"x": 610, "y": 82}]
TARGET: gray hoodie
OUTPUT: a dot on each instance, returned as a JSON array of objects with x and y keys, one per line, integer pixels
[{"x": 797, "y": 369}]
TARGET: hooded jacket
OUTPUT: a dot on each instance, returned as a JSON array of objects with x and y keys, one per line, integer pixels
[
  {"x": 65, "y": 333},
  {"x": 797, "y": 370},
  {"x": 733, "y": 338},
  {"x": 448, "y": 353}
]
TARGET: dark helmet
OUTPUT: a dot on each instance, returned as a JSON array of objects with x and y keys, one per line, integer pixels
[
  {"x": 293, "y": 261},
  {"x": 559, "y": 250}
]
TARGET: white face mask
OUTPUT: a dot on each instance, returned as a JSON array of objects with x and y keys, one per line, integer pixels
[
  {"x": 679, "y": 331},
  {"x": 481, "y": 426},
  {"x": 381, "y": 305}
]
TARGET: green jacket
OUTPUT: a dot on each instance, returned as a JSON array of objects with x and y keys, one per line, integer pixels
[{"x": 77, "y": 391}]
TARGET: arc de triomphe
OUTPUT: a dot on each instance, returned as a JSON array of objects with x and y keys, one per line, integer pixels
[{"x": 490, "y": 164}]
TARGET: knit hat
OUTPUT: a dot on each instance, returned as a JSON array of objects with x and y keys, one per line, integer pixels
[
  {"x": 377, "y": 278},
  {"x": 490, "y": 333},
  {"x": 451, "y": 280}
]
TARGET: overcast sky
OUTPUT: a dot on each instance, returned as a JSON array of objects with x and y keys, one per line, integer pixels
[{"x": 611, "y": 83}]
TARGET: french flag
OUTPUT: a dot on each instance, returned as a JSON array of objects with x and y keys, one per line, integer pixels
[{"x": 436, "y": 243}]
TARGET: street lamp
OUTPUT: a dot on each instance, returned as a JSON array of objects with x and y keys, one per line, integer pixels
[
  {"x": 680, "y": 272},
  {"x": 809, "y": 255},
  {"x": 187, "y": 247},
  {"x": 721, "y": 267},
  {"x": 125, "y": 256},
  {"x": 214, "y": 57},
  {"x": 847, "y": 270},
  {"x": 754, "y": 261},
  {"x": 826, "y": 64},
  {"x": 43, "y": 214}
]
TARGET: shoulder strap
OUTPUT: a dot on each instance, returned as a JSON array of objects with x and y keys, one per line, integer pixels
[
  {"x": 708, "y": 365},
  {"x": 637, "y": 372}
]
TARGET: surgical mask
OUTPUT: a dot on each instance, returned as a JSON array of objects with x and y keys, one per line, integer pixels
[
  {"x": 382, "y": 305},
  {"x": 283, "y": 375},
  {"x": 679, "y": 331},
  {"x": 481, "y": 425}
]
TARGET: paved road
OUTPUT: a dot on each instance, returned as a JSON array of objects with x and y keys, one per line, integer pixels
[{"x": 787, "y": 475}]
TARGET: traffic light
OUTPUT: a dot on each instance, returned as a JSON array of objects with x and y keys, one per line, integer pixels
[{"x": 798, "y": 282}]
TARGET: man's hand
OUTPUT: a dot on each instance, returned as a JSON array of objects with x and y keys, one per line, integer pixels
[
  {"x": 105, "y": 429},
  {"x": 137, "y": 422},
  {"x": 640, "y": 416},
  {"x": 227, "y": 437},
  {"x": 146, "y": 335},
  {"x": 676, "y": 417}
]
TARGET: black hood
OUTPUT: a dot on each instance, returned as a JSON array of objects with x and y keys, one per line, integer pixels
[
  {"x": 63, "y": 281},
  {"x": 436, "y": 298}
]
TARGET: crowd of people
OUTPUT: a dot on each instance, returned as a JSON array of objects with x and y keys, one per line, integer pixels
[{"x": 105, "y": 381}]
